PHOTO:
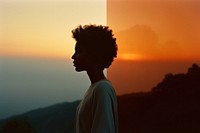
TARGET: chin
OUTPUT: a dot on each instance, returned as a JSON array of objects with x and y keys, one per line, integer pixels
[{"x": 78, "y": 69}]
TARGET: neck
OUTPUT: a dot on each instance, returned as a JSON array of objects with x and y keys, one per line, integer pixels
[{"x": 95, "y": 75}]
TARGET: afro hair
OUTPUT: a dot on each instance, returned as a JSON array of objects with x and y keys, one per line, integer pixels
[{"x": 99, "y": 42}]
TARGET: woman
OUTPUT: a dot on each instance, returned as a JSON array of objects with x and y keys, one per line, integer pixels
[{"x": 95, "y": 50}]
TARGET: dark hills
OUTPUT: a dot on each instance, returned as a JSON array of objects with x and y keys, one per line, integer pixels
[
  {"x": 58, "y": 118},
  {"x": 173, "y": 106}
]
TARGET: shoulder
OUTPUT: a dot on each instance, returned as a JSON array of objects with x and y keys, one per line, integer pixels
[
  {"x": 103, "y": 85},
  {"x": 103, "y": 88}
]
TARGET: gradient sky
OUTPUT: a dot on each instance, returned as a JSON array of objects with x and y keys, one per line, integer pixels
[
  {"x": 155, "y": 37},
  {"x": 36, "y": 46},
  {"x": 166, "y": 29},
  {"x": 43, "y": 28}
]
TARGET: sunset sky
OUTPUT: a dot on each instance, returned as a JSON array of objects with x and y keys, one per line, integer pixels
[
  {"x": 42, "y": 28},
  {"x": 156, "y": 29},
  {"x": 155, "y": 37},
  {"x": 36, "y": 46},
  {"x": 144, "y": 28}
]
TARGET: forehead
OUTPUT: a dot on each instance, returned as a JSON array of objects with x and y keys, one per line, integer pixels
[{"x": 79, "y": 46}]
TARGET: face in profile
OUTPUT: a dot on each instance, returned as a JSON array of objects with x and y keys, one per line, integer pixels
[{"x": 82, "y": 60}]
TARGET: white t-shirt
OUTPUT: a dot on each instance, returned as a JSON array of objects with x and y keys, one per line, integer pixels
[{"x": 97, "y": 112}]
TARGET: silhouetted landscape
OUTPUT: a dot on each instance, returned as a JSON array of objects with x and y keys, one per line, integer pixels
[{"x": 172, "y": 106}]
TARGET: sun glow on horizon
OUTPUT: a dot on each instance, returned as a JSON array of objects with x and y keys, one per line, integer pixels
[
  {"x": 157, "y": 30},
  {"x": 130, "y": 56}
]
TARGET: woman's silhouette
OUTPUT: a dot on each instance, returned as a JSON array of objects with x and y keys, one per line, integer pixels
[{"x": 95, "y": 50}]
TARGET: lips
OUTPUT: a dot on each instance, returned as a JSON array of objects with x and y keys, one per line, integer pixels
[{"x": 74, "y": 62}]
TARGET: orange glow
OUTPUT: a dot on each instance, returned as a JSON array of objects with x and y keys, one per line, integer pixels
[
  {"x": 130, "y": 56},
  {"x": 160, "y": 29},
  {"x": 154, "y": 37},
  {"x": 43, "y": 28}
]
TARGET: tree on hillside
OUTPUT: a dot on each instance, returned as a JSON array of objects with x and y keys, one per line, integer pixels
[{"x": 180, "y": 81}]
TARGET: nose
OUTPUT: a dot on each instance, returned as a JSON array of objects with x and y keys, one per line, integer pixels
[{"x": 75, "y": 55}]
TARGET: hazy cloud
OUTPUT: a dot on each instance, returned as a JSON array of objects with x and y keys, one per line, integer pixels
[
  {"x": 143, "y": 40},
  {"x": 139, "y": 39}
]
